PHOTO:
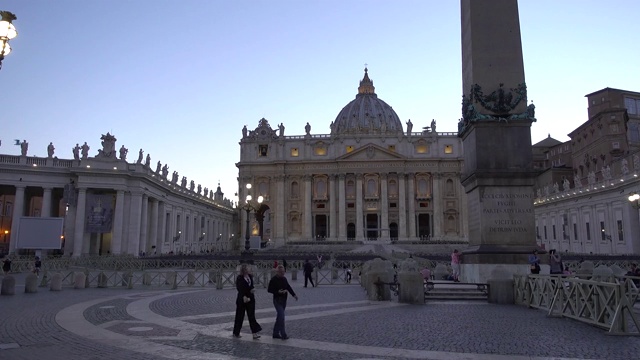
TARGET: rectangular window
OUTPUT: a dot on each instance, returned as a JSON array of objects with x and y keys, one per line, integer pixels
[
  {"x": 320, "y": 206},
  {"x": 393, "y": 205},
  {"x": 545, "y": 232},
  {"x": 575, "y": 231},
  {"x": 422, "y": 149},
  {"x": 448, "y": 149},
  {"x": 588, "y": 231},
  {"x": 263, "y": 150},
  {"x": 553, "y": 230},
  {"x": 350, "y": 206},
  {"x": 294, "y": 152},
  {"x": 620, "y": 232},
  {"x": 615, "y": 145},
  {"x": 602, "y": 232},
  {"x": 631, "y": 105}
]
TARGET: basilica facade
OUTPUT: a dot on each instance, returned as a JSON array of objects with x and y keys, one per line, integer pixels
[{"x": 369, "y": 179}]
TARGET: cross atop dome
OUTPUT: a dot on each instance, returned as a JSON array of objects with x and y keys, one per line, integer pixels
[{"x": 366, "y": 85}]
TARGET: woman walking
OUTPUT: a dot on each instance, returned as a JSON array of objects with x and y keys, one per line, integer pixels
[{"x": 245, "y": 301}]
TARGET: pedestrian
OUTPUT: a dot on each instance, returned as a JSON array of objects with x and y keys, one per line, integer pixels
[
  {"x": 280, "y": 288},
  {"x": 307, "y": 268},
  {"x": 284, "y": 263},
  {"x": 275, "y": 264},
  {"x": 6, "y": 265},
  {"x": 347, "y": 274},
  {"x": 245, "y": 302},
  {"x": 534, "y": 262},
  {"x": 455, "y": 265},
  {"x": 37, "y": 265},
  {"x": 555, "y": 262}
]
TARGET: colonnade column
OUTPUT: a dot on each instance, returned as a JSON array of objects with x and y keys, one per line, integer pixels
[
  {"x": 384, "y": 204},
  {"x": 333, "y": 218},
  {"x": 411, "y": 198},
  {"x": 162, "y": 226},
  {"x": 402, "y": 208},
  {"x": 46, "y": 203},
  {"x": 436, "y": 200},
  {"x": 359, "y": 212},
  {"x": 78, "y": 236},
  {"x": 153, "y": 236},
  {"x": 280, "y": 212},
  {"x": 144, "y": 223},
  {"x": 118, "y": 221},
  {"x": 342, "y": 209},
  {"x": 133, "y": 235},
  {"x": 308, "y": 224},
  {"x": 18, "y": 211}
]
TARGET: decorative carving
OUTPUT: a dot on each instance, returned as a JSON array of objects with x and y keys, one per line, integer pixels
[
  {"x": 624, "y": 168},
  {"x": 108, "y": 147}
]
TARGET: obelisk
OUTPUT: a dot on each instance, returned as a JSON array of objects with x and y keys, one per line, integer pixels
[{"x": 498, "y": 176}]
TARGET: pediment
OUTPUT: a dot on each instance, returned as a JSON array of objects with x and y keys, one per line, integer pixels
[{"x": 371, "y": 152}]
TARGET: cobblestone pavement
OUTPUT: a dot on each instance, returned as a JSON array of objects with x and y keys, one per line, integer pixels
[{"x": 328, "y": 322}]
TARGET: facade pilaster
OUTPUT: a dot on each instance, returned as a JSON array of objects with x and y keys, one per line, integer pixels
[
  {"x": 359, "y": 211},
  {"x": 384, "y": 205},
  {"x": 144, "y": 224},
  {"x": 153, "y": 236},
  {"x": 332, "y": 208},
  {"x": 402, "y": 207},
  {"x": 308, "y": 221},
  {"x": 18, "y": 211},
  {"x": 46, "y": 203},
  {"x": 78, "y": 236},
  {"x": 342, "y": 209},
  {"x": 411, "y": 198},
  {"x": 438, "y": 213},
  {"x": 162, "y": 226}
]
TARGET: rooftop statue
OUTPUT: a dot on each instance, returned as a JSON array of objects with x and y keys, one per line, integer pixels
[
  {"x": 123, "y": 153},
  {"x": 140, "y": 157},
  {"x": 24, "y": 147},
  {"x": 50, "y": 150},
  {"x": 85, "y": 150},
  {"x": 76, "y": 152},
  {"x": 307, "y": 129}
]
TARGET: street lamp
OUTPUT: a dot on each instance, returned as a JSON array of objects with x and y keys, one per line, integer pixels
[
  {"x": 633, "y": 199},
  {"x": 7, "y": 32},
  {"x": 248, "y": 206}
]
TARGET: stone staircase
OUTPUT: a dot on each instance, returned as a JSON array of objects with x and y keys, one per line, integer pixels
[{"x": 448, "y": 290}]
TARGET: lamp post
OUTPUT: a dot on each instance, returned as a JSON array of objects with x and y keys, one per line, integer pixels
[
  {"x": 7, "y": 32},
  {"x": 249, "y": 205}
]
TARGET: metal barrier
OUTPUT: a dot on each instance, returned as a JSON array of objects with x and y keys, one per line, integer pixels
[{"x": 608, "y": 305}]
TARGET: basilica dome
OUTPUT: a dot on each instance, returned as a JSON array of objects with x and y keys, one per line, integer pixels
[{"x": 366, "y": 114}]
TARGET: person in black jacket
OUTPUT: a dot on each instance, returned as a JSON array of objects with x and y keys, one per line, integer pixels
[
  {"x": 279, "y": 287},
  {"x": 246, "y": 301},
  {"x": 307, "y": 268}
]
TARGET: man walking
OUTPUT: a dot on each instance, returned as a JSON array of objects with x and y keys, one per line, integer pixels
[
  {"x": 280, "y": 288},
  {"x": 308, "y": 270}
]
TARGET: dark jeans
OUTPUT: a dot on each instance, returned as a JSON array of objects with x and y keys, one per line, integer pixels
[
  {"x": 307, "y": 276},
  {"x": 250, "y": 308},
  {"x": 278, "y": 328}
]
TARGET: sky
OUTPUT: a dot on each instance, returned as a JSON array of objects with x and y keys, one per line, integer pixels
[{"x": 179, "y": 79}]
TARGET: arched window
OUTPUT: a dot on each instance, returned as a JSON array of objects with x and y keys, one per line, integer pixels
[
  {"x": 451, "y": 224},
  {"x": 295, "y": 189},
  {"x": 263, "y": 189},
  {"x": 371, "y": 187}
]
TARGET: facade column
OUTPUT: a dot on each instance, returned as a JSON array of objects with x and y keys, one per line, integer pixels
[
  {"x": 332, "y": 208},
  {"x": 342, "y": 209},
  {"x": 46, "y": 203},
  {"x": 278, "y": 232},
  {"x": 384, "y": 204},
  {"x": 118, "y": 221},
  {"x": 153, "y": 236},
  {"x": 411, "y": 198},
  {"x": 402, "y": 207},
  {"x": 308, "y": 221},
  {"x": 162, "y": 227},
  {"x": 78, "y": 236},
  {"x": 18, "y": 212},
  {"x": 438, "y": 213},
  {"x": 359, "y": 212},
  {"x": 144, "y": 224},
  {"x": 133, "y": 233}
]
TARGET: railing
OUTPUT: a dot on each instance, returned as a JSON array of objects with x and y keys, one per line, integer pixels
[{"x": 608, "y": 305}]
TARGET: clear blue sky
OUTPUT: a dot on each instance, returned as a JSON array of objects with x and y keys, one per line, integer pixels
[{"x": 179, "y": 79}]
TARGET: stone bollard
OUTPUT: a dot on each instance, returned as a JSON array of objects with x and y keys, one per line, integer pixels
[
  {"x": 441, "y": 272},
  {"x": 174, "y": 282},
  {"x": 8, "y": 285},
  {"x": 265, "y": 279},
  {"x": 411, "y": 283},
  {"x": 501, "y": 287},
  {"x": 603, "y": 274},
  {"x": 381, "y": 271},
  {"x": 31, "y": 284},
  {"x": 617, "y": 270},
  {"x": 79, "y": 280},
  {"x": 103, "y": 280},
  {"x": 294, "y": 274},
  {"x": 146, "y": 279},
  {"x": 56, "y": 282},
  {"x": 334, "y": 274},
  {"x": 585, "y": 270},
  {"x": 191, "y": 278}
]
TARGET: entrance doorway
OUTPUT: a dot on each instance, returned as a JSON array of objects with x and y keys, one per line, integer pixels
[
  {"x": 424, "y": 228},
  {"x": 393, "y": 231},
  {"x": 321, "y": 227},
  {"x": 351, "y": 231},
  {"x": 372, "y": 226}
]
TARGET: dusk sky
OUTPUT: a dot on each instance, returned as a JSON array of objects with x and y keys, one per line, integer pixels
[{"x": 180, "y": 79}]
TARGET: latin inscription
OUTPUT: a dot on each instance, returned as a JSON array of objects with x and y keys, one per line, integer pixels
[{"x": 506, "y": 210}]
